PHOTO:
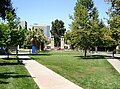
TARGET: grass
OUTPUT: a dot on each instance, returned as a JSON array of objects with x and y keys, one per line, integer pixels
[
  {"x": 91, "y": 73},
  {"x": 15, "y": 76}
]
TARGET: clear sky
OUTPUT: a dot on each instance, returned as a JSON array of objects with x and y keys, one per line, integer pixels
[{"x": 46, "y": 11}]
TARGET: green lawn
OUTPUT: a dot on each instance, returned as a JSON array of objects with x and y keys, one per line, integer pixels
[
  {"x": 15, "y": 76},
  {"x": 92, "y": 73}
]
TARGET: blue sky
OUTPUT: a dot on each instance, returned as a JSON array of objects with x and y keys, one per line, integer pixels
[{"x": 46, "y": 11}]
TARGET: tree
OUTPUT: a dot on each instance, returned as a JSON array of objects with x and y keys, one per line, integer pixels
[
  {"x": 67, "y": 37},
  {"x": 6, "y": 6},
  {"x": 87, "y": 31},
  {"x": 114, "y": 21},
  {"x": 38, "y": 36},
  {"x": 85, "y": 25},
  {"x": 57, "y": 31}
]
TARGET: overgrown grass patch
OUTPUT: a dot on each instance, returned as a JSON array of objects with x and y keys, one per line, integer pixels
[{"x": 91, "y": 73}]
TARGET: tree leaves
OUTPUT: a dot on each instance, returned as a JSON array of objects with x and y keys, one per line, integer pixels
[
  {"x": 57, "y": 31},
  {"x": 6, "y": 6}
]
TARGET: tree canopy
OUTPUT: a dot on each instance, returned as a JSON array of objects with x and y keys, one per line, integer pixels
[
  {"x": 87, "y": 31},
  {"x": 114, "y": 20},
  {"x": 57, "y": 30},
  {"x": 6, "y": 6}
]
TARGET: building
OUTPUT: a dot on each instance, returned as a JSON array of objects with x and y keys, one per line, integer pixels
[
  {"x": 45, "y": 28},
  {"x": 23, "y": 24}
]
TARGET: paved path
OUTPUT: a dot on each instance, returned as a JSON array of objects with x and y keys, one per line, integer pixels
[
  {"x": 3, "y": 56},
  {"x": 114, "y": 62},
  {"x": 46, "y": 78}
]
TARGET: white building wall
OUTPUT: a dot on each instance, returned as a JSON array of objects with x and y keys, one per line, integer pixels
[{"x": 46, "y": 29}]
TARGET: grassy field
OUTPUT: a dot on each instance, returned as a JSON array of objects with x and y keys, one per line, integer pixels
[
  {"x": 15, "y": 76},
  {"x": 91, "y": 73}
]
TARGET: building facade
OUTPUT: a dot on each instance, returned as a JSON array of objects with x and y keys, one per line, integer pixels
[
  {"x": 23, "y": 24},
  {"x": 45, "y": 28}
]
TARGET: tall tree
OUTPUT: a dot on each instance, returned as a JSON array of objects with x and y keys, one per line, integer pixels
[
  {"x": 58, "y": 30},
  {"x": 85, "y": 25},
  {"x": 114, "y": 20}
]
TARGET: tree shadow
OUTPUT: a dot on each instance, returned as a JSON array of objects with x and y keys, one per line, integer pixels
[
  {"x": 92, "y": 57},
  {"x": 8, "y": 63},
  {"x": 16, "y": 58},
  {"x": 40, "y": 54},
  {"x": 9, "y": 58},
  {"x": 6, "y": 75},
  {"x": 3, "y": 82},
  {"x": 46, "y": 54}
]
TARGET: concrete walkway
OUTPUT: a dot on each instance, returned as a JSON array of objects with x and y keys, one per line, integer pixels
[
  {"x": 115, "y": 63},
  {"x": 46, "y": 78}
]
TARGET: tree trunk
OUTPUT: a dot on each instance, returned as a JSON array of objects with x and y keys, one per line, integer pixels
[
  {"x": 42, "y": 46},
  {"x": 114, "y": 51},
  {"x": 85, "y": 54},
  {"x": 17, "y": 54},
  {"x": 7, "y": 51},
  {"x": 96, "y": 49}
]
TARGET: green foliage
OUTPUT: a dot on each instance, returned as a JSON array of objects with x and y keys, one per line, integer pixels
[
  {"x": 114, "y": 20},
  {"x": 10, "y": 37},
  {"x": 85, "y": 25},
  {"x": 86, "y": 29},
  {"x": 67, "y": 37},
  {"x": 57, "y": 31},
  {"x": 36, "y": 37},
  {"x": 6, "y": 6},
  {"x": 4, "y": 32},
  {"x": 17, "y": 37},
  {"x": 116, "y": 7},
  {"x": 12, "y": 20},
  {"x": 10, "y": 34},
  {"x": 106, "y": 37}
]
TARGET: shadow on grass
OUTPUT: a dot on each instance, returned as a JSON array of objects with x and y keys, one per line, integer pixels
[
  {"x": 39, "y": 54},
  {"x": 6, "y": 75},
  {"x": 16, "y": 59},
  {"x": 9, "y": 58},
  {"x": 12, "y": 63},
  {"x": 3, "y": 82},
  {"x": 91, "y": 57}
]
